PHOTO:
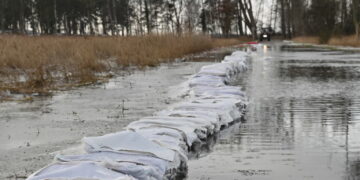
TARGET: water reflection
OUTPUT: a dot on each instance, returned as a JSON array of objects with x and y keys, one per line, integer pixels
[
  {"x": 303, "y": 121},
  {"x": 354, "y": 172}
]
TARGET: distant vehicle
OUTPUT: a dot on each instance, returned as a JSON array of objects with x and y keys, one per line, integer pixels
[{"x": 266, "y": 34}]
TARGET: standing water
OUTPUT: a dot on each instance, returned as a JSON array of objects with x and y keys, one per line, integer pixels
[{"x": 303, "y": 120}]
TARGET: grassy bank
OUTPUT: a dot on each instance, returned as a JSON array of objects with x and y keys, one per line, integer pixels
[
  {"x": 334, "y": 41},
  {"x": 39, "y": 64}
]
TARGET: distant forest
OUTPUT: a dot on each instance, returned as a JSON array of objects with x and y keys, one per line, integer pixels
[
  {"x": 323, "y": 18},
  {"x": 125, "y": 17},
  {"x": 221, "y": 17}
]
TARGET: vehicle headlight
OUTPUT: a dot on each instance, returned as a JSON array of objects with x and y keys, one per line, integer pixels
[{"x": 265, "y": 36}]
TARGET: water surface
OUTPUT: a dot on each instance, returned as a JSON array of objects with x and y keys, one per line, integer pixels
[{"x": 303, "y": 120}]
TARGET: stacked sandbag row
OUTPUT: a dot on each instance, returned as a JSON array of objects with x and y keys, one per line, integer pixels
[{"x": 157, "y": 147}]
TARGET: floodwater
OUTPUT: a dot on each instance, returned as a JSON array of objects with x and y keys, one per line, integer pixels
[{"x": 303, "y": 119}]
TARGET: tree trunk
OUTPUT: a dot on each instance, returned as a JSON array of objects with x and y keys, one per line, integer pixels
[
  {"x": 203, "y": 21},
  {"x": 22, "y": 17},
  {"x": 147, "y": 16},
  {"x": 239, "y": 20},
  {"x": 282, "y": 15},
  {"x": 355, "y": 17},
  {"x": 276, "y": 15},
  {"x": 288, "y": 19},
  {"x": 2, "y": 16},
  {"x": 54, "y": 28},
  {"x": 343, "y": 14},
  {"x": 115, "y": 20},
  {"x": 248, "y": 15}
]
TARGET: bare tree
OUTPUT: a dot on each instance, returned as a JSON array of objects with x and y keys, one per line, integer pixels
[
  {"x": 192, "y": 14},
  {"x": 248, "y": 14},
  {"x": 226, "y": 15}
]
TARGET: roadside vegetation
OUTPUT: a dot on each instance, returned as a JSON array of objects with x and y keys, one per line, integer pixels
[
  {"x": 333, "y": 22},
  {"x": 351, "y": 41},
  {"x": 39, "y": 64}
]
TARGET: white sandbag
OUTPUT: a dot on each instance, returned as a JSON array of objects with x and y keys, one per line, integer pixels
[
  {"x": 207, "y": 80},
  {"x": 218, "y": 69},
  {"x": 234, "y": 58},
  {"x": 226, "y": 109},
  {"x": 162, "y": 137},
  {"x": 127, "y": 141},
  {"x": 199, "y": 123},
  {"x": 78, "y": 170},
  {"x": 238, "y": 63},
  {"x": 218, "y": 92},
  {"x": 225, "y": 117},
  {"x": 238, "y": 66},
  {"x": 235, "y": 106},
  {"x": 191, "y": 132},
  {"x": 138, "y": 171},
  {"x": 234, "y": 66},
  {"x": 240, "y": 53},
  {"x": 211, "y": 117},
  {"x": 160, "y": 165}
]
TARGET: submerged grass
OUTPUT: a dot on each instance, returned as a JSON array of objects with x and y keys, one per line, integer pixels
[{"x": 39, "y": 64}]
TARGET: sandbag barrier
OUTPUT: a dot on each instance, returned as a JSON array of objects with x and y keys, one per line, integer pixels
[{"x": 158, "y": 147}]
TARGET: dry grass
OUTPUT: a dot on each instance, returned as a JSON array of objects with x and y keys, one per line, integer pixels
[
  {"x": 38, "y": 64},
  {"x": 306, "y": 39},
  {"x": 229, "y": 41},
  {"x": 352, "y": 41}
]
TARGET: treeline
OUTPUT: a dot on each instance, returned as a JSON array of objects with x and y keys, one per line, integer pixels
[
  {"x": 127, "y": 17},
  {"x": 323, "y": 18}
]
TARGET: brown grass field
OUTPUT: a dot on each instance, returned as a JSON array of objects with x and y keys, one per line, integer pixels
[
  {"x": 334, "y": 41},
  {"x": 306, "y": 39},
  {"x": 39, "y": 64}
]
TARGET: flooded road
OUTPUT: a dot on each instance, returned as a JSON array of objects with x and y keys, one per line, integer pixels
[
  {"x": 31, "y": 133},
  {"x": 303, "y": 120}
]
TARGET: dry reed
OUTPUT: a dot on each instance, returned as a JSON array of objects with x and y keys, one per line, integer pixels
[
  {"x": 38, "y": 64},
  {"x": 352, "y": 40},
  {"x": 306, "y": 39}
]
